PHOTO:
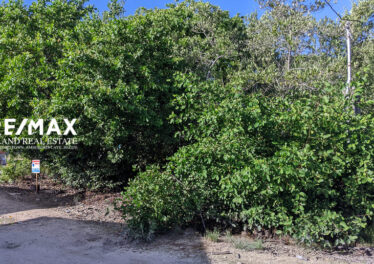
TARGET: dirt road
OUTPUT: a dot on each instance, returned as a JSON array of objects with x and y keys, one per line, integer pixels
[
  {"x": 29, "y": 234},
  {"x": 50, "y": 228}
]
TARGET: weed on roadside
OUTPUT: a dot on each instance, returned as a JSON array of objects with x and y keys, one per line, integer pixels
[{"x": 212, "y": 235}]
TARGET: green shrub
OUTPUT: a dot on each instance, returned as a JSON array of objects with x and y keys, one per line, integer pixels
[
  {"x": 367, "y": 234},
  {"x": 16, "y": 169},
  {"x": 301, "y": 165}
]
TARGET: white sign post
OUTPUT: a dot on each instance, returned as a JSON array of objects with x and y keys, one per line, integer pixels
[{"x": 35, "y": 168}]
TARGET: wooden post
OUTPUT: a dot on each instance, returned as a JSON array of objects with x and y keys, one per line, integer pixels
[{"x": 36, "y": 183}]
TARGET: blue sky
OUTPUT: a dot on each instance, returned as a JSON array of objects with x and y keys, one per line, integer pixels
[{"x": 243, "y": 7}]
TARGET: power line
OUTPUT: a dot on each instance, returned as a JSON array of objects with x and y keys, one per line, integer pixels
[{"x": 332, "y": 8}]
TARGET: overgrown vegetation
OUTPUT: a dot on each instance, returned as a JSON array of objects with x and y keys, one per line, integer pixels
[
  {"x": 298, "y": 166},
  {"x": 16, "y": 169},
  {"x": 208, "y": 119}
]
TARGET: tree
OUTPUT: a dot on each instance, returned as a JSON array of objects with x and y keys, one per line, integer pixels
[{"x": 116, "y": 10}]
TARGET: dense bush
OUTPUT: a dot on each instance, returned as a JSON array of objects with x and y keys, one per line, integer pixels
[
  {"x": 117, "y": 75},
  {"x": 114, "y": 75},
  {"x": 16, "y": 169},
  {"x": 253, "y": 138},
  {"x": 301, "y": 165}
]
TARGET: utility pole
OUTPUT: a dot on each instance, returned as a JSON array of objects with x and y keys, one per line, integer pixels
[
  {"x": 349, "y": 58},
  {"x": 349, "y": 90}
]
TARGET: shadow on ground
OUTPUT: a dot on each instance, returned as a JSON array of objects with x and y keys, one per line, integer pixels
[
  {"x": 47, "y": 240},
  {"x": 21, "y": 199},
  {"x": 39, "y": 233}
]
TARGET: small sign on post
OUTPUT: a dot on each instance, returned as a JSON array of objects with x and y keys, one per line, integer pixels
[{"x": 35, "y": 168}]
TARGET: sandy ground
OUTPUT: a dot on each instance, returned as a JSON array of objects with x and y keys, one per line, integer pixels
[
  {"x": 59, "y": 227},
  {"x": 48, "y": 235}
]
